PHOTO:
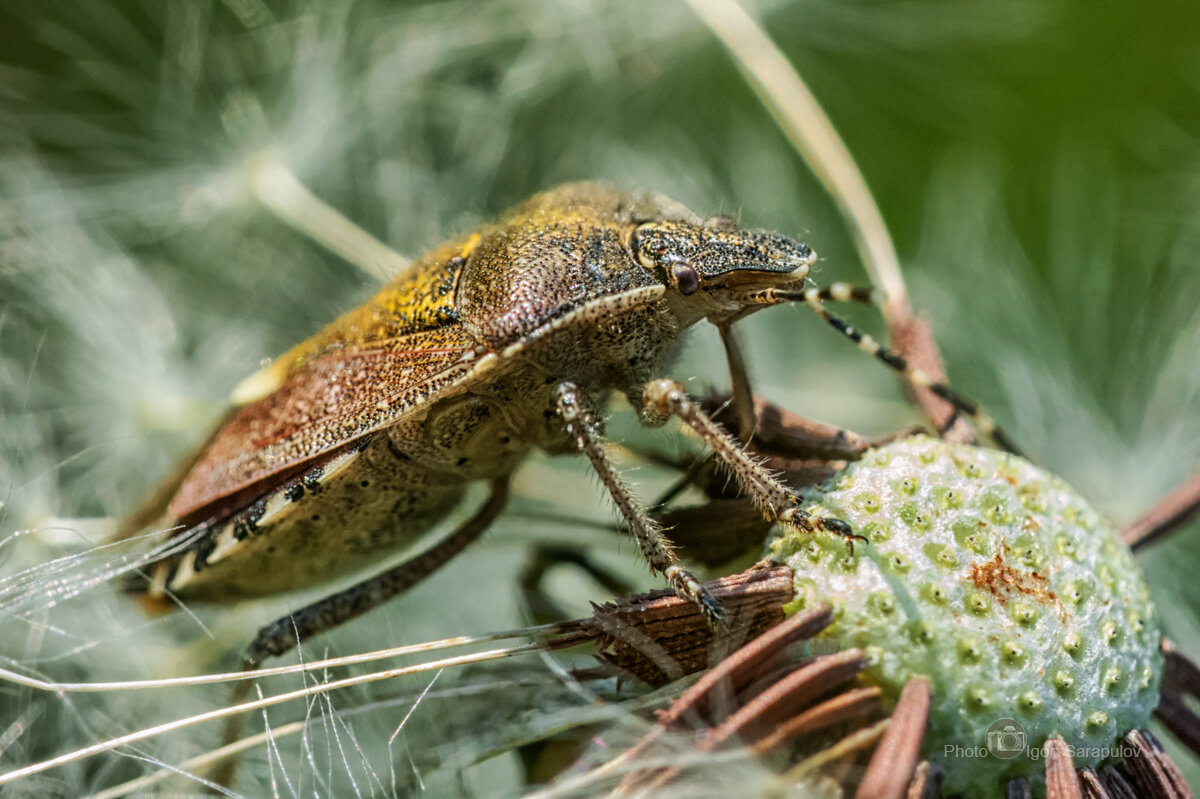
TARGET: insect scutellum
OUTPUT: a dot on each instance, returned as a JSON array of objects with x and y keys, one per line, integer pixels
[{"x": 359, "y": 440}]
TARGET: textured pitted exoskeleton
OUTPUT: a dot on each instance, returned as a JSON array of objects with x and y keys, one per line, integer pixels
[{"x": 353, "y": 444}]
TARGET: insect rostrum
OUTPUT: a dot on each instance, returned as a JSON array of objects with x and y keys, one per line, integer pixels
[{"x": 357, "y": 441}]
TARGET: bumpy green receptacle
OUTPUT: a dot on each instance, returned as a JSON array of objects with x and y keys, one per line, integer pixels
[{"x": 999, "y": 583}]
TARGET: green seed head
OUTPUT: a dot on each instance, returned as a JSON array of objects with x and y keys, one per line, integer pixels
[{"x": 998, "y": 583}]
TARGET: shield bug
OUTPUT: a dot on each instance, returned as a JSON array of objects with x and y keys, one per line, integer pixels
[{"x": 359, "y": 440}]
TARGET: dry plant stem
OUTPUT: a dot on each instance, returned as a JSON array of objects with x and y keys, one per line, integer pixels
[
  {"x": 733, "y": 672},
  {"x": 1181, "y": 681},
  {"x": 845, "y": 706},
  {"x": 802, "y": 120},
  {"x": 911, "y": 337},
  {"x": 854, "y": 742},
  {"x": 1061, "y": 782},
  {"x": 1156, "y": 774},
  {"x": 558, "y": 630},
  {"x": 227, "y": 769},
  {"x": 200, "y": 763},
  {"x": 764, "y": 589},
  {"x": 278, "y": 188},
  {"x": 895, "y": 758},
  {"x": 658, "y": 637},
  {"x": 926, "y": 782},
  {"x": 1170, "y": 513},
  {"x": 773, "y": 706}
]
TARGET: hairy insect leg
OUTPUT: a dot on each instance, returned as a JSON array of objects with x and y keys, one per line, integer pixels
[
  {"x": 812, "y": 297},
  {"x": 808, "y": 450},
  {"x": 747, "y": 410},
  {"x": 332, "y": 611},
  {"x": 777, "y": 502},
  {"x": 579, "y": 416}
]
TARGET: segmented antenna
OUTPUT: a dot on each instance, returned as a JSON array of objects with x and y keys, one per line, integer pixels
[{"x": 812, "y": 297}]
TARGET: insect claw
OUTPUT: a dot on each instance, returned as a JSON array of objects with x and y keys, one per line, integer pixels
[
  {"x": 839, "y": 527},
  {"x": 714, "y": 613},
  {"x": 811, "y": 524},
  {"x": 271, "y": 641},
  {"x": 689, "y": 588}
]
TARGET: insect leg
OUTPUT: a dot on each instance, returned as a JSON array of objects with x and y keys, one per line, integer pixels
[
  {"x": 982, "y": 421},
  {"x": 656, "y": 548},
  {"x": 777, "y": 502},
  {"x": 806, "y": 449},
  {"x": 741, "y": 397},
  {"x": 325, "y": 614}
]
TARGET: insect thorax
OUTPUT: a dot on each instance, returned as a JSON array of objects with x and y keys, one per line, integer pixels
[{"x": 555, "y": 285}]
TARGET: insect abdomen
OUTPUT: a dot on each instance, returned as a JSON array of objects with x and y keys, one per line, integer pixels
[{"x": 344, "y": 515}]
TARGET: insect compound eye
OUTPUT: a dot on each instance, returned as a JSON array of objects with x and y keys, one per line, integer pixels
[{"x": 686, "y": 279}]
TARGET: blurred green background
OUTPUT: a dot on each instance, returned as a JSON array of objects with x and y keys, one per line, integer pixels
[{"x": 1038, "y": 164}]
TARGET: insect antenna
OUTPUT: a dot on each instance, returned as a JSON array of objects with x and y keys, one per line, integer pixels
[
  {"x": 812, "y": 297},
  {"x": 847, "y": 292}
]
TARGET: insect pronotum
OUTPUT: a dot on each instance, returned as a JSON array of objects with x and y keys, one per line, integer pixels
[{"x": 359, "y": 440}]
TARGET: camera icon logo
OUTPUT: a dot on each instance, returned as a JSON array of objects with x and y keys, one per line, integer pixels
[{"x": 1005, "y": 739}]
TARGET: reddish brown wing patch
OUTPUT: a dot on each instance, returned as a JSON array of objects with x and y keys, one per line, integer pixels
[{"x": 326, "y": 403}]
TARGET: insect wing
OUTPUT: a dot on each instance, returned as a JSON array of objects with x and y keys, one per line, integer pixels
[{"x": 324, "y": 404}]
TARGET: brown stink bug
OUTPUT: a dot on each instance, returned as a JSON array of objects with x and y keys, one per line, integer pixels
[{"x": 359, "y": 440}]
